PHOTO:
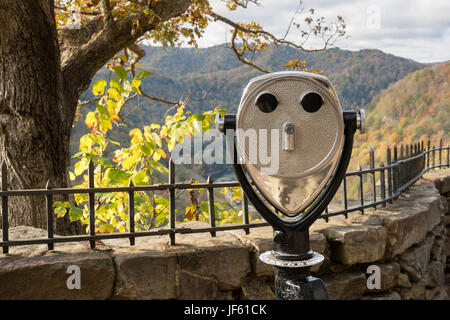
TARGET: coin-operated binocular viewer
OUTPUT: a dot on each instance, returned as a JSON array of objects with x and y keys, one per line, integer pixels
[{"x": 297, "y": 118}]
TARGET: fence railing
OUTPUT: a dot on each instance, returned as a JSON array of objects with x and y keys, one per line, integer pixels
[{"x": 404, "y": 166}]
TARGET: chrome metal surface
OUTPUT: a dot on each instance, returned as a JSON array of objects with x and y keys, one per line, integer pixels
[
  {"x": 269, "y": 258},
  {"x": 220, "y": 121},
  {"x": 288, "y": 136},
  {"x": 314, "y": 149},
  {"x": 361, "y": 121}
]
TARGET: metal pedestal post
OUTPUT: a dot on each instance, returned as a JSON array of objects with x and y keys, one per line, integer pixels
[{"x": 292, "y": 261}]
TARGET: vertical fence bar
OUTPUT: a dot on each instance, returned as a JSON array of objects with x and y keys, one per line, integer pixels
[
  {"x": 433, "y": 156},
  {"x": 448, "y": 156},
  {"x": 389, "y": 172},
  {"x": 361, "y": 189},
  {"x": 374, "y": 181},
  {"x": 91, "y": 203},
  {"x": 211, "y": 208},
  {"x": 245, "y": 211},
  {"x": 440, "y": 153},
  {"x": 172, "y": 216},
  {"x": 131, "y": 228},
  {"x": 383, "y": 186},
  {"x": 428, "y": 154},
  {"x": 344, "y": 190},
  {"x": 401, "y": 157},
  {"x": 423, "y": 158},
  {"x": 5, "y": 224},
  {"x": 49, "y": 200},
  {"x": 395, "y": 172}
]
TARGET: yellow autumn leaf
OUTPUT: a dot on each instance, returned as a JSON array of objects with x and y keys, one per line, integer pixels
[
  {"x": 171, "y": 144},
  {"x": 91, "y": 120},
  {"x": 106, "y": 228},
  {"x": 156, "y": 156},
  {"x": 135, "y": 131},
  {"x": 190, "y": 211},
  {"x": 162, "y": 153}
]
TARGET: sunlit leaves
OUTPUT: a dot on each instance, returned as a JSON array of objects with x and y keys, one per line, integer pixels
[
  {"x": 141, "y": 162},
  {"x": 99, "y": 87},
  {"x": 75, "y": 213},
  {"x": 190, "y": 212},
  {"x": 120, "y": 72},
  {"x": 91, "y": 120},
  {"x": 142, "y": 74}
]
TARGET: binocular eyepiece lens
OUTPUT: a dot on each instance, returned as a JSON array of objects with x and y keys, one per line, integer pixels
[
  {"x": 312, "y": 102},
  {"x": 267, "y": 102}
]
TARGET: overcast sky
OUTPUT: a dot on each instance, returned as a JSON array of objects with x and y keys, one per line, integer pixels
[{"x": 416, "y": 29}]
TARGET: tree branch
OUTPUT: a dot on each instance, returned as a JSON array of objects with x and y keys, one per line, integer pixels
[
  {"x": 81, "y": 60},
  {"x": 105, "y": 9},
  {"x": 240, "y": 56}
]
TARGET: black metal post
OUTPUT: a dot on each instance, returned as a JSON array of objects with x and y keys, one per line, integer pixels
[
  {"x": 49, "y": 201},
  {"x": 211, "y": 208},
  {"x": 292, "y": 260},
  {"x": 131, "y": 228},
  {"x": 5, "y": 223},
  {"x": 91, "y": 203},
  {"x": 172, "y": 216}
]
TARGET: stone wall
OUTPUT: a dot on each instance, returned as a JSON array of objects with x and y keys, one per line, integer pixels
[{"x": 406, "y": 240}]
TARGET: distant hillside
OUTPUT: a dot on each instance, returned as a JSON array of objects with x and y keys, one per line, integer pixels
[
  {"x": 357, "y": 76},
  {"x": 414, "y": 108}
]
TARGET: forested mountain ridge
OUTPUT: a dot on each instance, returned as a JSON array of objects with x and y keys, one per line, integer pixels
[
  {"x": 356, "y": 75},
  {"x": 415, "y": 108}
]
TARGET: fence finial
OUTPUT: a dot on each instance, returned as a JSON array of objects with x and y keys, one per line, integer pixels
[{"x": 4, "y": 171}]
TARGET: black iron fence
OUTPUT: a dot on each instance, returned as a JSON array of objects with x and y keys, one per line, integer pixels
[{"x": 404, "y": 166}]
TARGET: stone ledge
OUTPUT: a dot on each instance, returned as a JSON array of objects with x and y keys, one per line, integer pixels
[
  {"x": 46, "y": 277},
  {"x": 406, "y": 239},
  {"x": 440, "y": 178}
]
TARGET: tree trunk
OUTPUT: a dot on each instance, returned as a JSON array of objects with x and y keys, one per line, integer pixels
[
  {"x": 34, "y": 132},
  {"x": 41, "y": 79}
]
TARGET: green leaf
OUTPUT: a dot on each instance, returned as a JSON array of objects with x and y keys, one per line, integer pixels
[
  {"x": 120, "y": 73},
  {"x": 99, "y": 87},
  {"x": 102, "y": 111},
  {"x": 141, "y": 178},
  {"x": 116, "y": 176},
  {"x": 142, "y": 74},
  {"x": 114, "y": 83},
  {"x": 75, "y": 213},
  {"x": 158, "y": 166},
  {"x": 147, "y": 148}
]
